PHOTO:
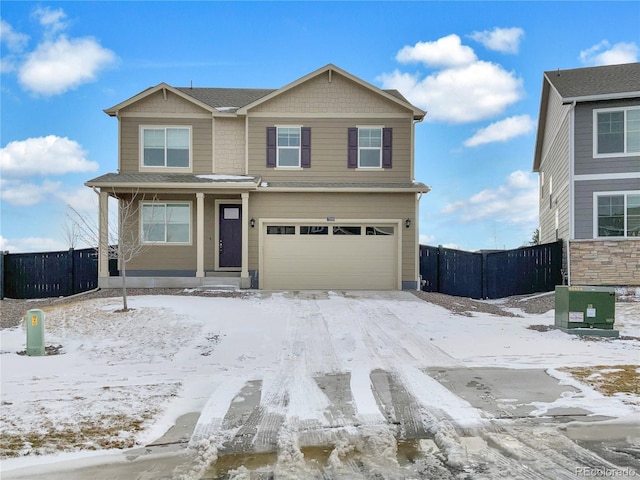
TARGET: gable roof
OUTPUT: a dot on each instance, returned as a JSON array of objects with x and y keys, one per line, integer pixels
[
  {"x": 596, "y": 83},
  {"x": 240, "y": 100},
  {"x": 392, "y": 95},
  {"x": 609, "y": 82}
]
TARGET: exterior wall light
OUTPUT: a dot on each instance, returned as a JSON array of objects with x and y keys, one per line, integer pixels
[
  {"x": 407, "y": 223},
  {"x": 252, "y": 222}
]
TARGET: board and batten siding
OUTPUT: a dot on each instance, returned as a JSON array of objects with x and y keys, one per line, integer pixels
[
  {"x": 584, "y": 191},
  {"x": 555, "y": 167},
  {"x": 585, "y": 163},
  {"x": 329, "y": 151},
  {"x": 201, "y": 156},
  {"x": 354, "y": 206}
]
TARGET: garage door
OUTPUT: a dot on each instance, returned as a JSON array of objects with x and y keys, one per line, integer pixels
[{"x": 307, "y": 256}]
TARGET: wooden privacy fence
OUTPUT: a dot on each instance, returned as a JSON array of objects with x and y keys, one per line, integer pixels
[
  {"x": 48, "y": 274},
  {"x": 491, "y": 274}
]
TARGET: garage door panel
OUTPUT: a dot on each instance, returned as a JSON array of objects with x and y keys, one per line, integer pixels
[{"x": 330, "y": 261}]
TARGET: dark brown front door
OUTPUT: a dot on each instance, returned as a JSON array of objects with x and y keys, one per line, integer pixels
[{"x": 230, "y": 236}]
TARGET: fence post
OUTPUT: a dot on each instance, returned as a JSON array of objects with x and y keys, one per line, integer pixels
[
  {"x": 440, "y": 269},
  {"x": 484, "y": 269},
  {"x": 73, "y": 271},
  {"x": 2, "y": 254}
]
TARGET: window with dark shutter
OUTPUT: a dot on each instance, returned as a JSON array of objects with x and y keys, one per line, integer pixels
[
  {"x": 271, "y": 147},
  {"x": 352, "y": 158},
  {"x": 305, "y": 152}
]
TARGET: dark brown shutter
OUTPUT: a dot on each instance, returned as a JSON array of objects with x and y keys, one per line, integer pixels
[
  {"x": 352, "y": 158},
  {"x": 271, "y": 146},
  {"x": 387, "y": 137},
  {"x": 305, "y": 151}
]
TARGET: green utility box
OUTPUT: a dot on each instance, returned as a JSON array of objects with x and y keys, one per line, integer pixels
[
  {"x": 585, "y": 307},
  {"x": 35, "y": 332}
]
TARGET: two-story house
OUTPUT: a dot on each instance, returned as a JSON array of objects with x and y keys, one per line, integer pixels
[
  {"x": 587, "y": 156},
  {"x": 309, "y": 186}
]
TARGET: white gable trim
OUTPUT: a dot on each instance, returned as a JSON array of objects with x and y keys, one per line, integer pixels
[{"x": 164, "y": 87}]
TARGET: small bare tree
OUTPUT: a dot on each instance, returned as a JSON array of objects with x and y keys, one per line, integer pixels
[
  {"x": 123, "y": 241},
  {"x": 70, "y": 234}
]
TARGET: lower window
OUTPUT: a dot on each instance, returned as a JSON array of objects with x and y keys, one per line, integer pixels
[
  {"x": 618, "y": 215},
  {"x": 166, "y": 223}
]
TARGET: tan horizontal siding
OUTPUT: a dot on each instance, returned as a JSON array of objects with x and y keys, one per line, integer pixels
[
  {"x": 329, "y": 150},
  {"x": 340, "y": 206},
  {"x": 201, "y": 155}
]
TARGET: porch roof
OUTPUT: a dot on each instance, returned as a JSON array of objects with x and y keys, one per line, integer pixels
[
  {"x": 174, "y": 180},
  {"x": 382, "y": 187}
]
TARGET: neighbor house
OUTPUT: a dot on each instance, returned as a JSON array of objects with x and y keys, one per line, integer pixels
[
  {"x": 309, "y": 186},
  {"x": 587, "y": 156}
]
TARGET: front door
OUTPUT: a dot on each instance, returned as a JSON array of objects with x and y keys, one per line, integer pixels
[{"x": 230, "y": 236}]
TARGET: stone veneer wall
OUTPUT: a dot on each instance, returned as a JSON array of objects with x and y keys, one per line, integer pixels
[{"x": 605, "y": 262}]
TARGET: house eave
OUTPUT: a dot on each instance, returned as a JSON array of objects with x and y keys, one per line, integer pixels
[{"x": 601, "y": 97}]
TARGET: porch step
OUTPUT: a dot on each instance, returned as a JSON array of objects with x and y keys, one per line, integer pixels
[
  {"x": 229, "y": 284},
  {"x": 222, "y": 274}
]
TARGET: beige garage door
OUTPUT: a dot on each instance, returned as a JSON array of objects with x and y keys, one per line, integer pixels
[{"x": 307, "y": 256}]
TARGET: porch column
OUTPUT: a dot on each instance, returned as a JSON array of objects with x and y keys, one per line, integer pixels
[
  {"x": 199, "y": 234},
  {"x": 245, "y": 281},
  {"x": 103, "y": 234}
]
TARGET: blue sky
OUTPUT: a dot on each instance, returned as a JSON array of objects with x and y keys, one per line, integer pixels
[{"x": 476, "y": 67}]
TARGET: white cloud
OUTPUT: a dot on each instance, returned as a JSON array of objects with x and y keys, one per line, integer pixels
[
  {"x": 50, "y": 155},
  {"x": 20, "y": 194},
  {"x": 51, "y": 20},
  {"x": 82, "y": 200},
  {"x": 15, "y": 41},
  {"x": 470, "y": 93},
  {"x": 426, "y": 239},
  {"x": 445, "y": 52},
  {"x": 63, "y": 64},
  {"x": 32, "y": 244},
  {"x": 604, "y": 53},
  {"x": 505, "y": 40},
  {"x": 515, "y": 202},
  {"x": 502, "y": 131}
]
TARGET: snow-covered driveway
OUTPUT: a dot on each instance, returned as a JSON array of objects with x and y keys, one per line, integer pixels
[{"x": 343, "y": 385}]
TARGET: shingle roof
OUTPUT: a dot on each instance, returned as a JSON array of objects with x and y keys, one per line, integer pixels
[
  {"x": 234, "y": 98},
  {"x": 596, "y": 81},
  {"x": 179, "y": 178},
  {"x": 341, "y": 185}
]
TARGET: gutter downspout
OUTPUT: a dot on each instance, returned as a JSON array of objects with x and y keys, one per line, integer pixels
[{"x": 572, "y": 111}]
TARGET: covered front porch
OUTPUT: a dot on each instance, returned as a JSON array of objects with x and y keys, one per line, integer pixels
[{"x": 189, "y": 230}]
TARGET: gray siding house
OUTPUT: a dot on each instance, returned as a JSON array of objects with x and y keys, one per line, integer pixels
[
  {"x": 308, "y": 186},
  {"x": 587, "y": 156}
]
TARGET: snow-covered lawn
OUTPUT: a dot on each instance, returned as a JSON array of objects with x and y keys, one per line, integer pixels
[{"x": 124, "y": 378}]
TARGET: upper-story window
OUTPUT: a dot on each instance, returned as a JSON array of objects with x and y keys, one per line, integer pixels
[
  {"x": 369, "y": 147},
  {"x": 289, "y": 147},
  {"x": 166, "y": 147},
  {"x": 618, "y": 215},
  {"x": 616, "y": 132}
]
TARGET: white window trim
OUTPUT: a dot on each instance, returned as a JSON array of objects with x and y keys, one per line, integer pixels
[
  {"x": 146, "y": 168},
  {"x": 370, "y": 127},
  {"x": 299, "y": 148},
  {"x": 595, "y": 132},
  {"x": 624, "y": 193},
  {"x": 164, "y": 203}
]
